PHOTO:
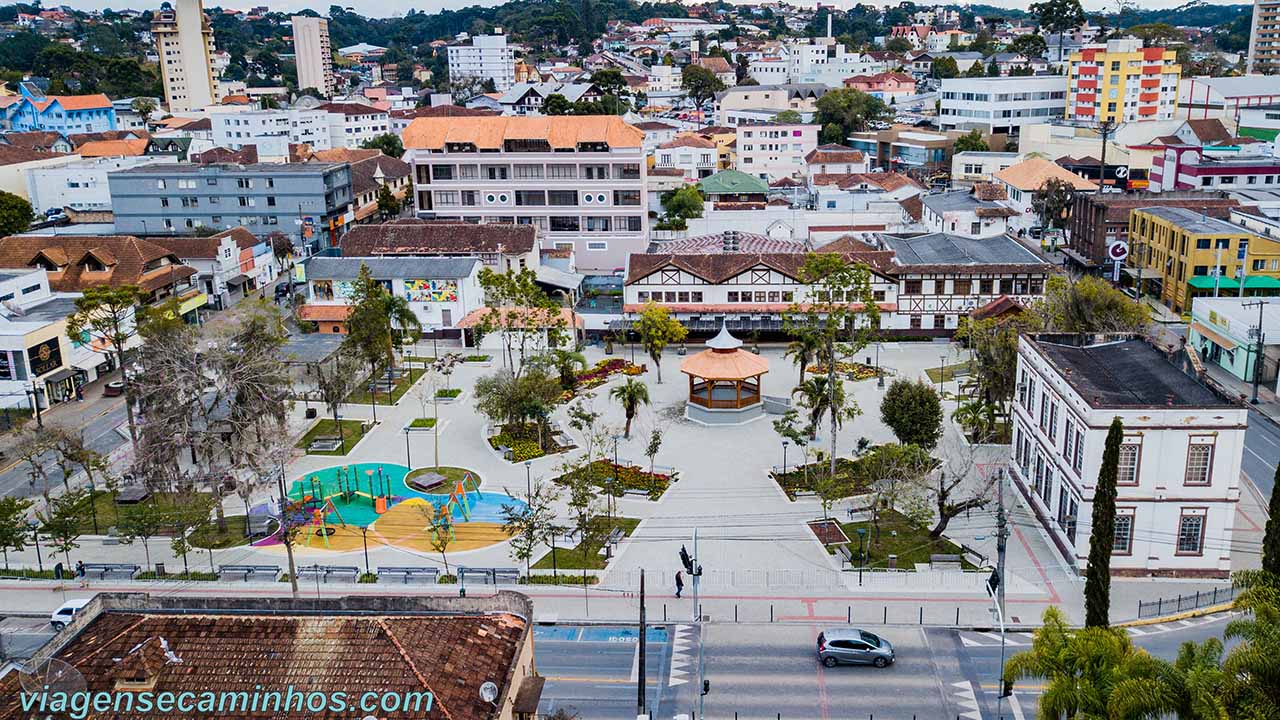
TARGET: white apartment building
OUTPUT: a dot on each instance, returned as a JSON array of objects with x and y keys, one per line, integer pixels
[
  {"x": 1264, "y": 38},
  {"x": 694, "y": 156},
  {"x": 487, "y": 57},
  {"x": 773, "y": 151},
  {"x": 1179, "y": 467},
  {"x": 184, "y": 43},
  {"x": 82, "y": 184},
  {"x": 351, "y": 124},
  {"x": 272, "y": 131},
  {"x": 759, "y": 103},
  {"x": 1001, "y": 105},
  {"x": 826, "y": 61},
  {"x": 664, "y": 79},
  {"x": 973, "y": 166},
  {"x": 313, "y": 54},
  {"x": 579, "y": 179}
]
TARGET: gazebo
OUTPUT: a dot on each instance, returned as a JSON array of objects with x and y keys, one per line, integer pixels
[{"x": 724, "y": 382}]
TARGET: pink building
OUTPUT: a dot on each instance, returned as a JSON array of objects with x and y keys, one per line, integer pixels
[{"x": 886, "y": 85}]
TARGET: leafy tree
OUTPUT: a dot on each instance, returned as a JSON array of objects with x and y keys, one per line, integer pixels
[
  {"x": 700, "y": 84},
  {"x": 144, "y": 107},
  {"x": 790, "y": 117},
  {"x": 142, "y": 521},
  {"x": 654, "y": 444},
  {"x": 993, "y": 68},
  {"x": 557, "y": 104},
  {"x": 803, "y": 350},
  {"x": 440, "y": 532},
  {"x": 528, "y": 319},
  {"x": 897, "y": 45},
  {"x": 507, "y": 398},
  {"x": 1102, "y": 535},
  {"x": 14, "y": 530},
  {"x": 1251, "y": 666},
  {"x": 388, "y": 204},
  {"x": 62, "y": 519},
  {"x": 388, "y": 143},
  {"x": 369, "y": 327},
  {"x": 913, "y": 411},
  {"x": 1270, "y": 538},
  {"x": 335, "y": 382},
  {"x": 972, "y": 141},
  {"x": 610, "y": 81},
  {"x": 1030, "y": 45},
  {"x": 1053, "y": 202},
  {"x": 1058, "y": 16},
  {"x": 15, "y": 213},
  {"x": 977, "y": 70},
  {"x": 832, "y": 133},
  {"x": 818, "y": 395},
  {"x": 978, "y": 417},
  {"x": 1088, "y": 305},
  {"x": 1021, "y": 71},
  {"x": 567, "y": 363},
  {"x": 1158, "y": 34},
  {"x": 849, "y": 109},
  {"x": 657, "y": 329},
  {"x": 686, "y": 202},
  {"x": 631, "y": 394},
  {"x": 188, "y": 515},
  {"x": 945, "y": 68},
  {"x": 106, "y": 314}
]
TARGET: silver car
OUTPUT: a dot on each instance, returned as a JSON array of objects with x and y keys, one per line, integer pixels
[{"x": 852, "y": 646}]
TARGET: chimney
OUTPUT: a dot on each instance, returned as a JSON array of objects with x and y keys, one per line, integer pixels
[
  {"x": 1204, "y": 213},
  {"x": 829, "y": 23}
]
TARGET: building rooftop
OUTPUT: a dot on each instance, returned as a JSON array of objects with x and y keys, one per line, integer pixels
[
  {"x": 213, "y": 169},
  {"x": 732, "y": 182},
  {"x": 1122, "y": 373},
  {"x": 384, "y": 268},
  {"x": 1031, "y": 174},
  {"x": 944, "y": 249},
  {"x": 491, "y": 133},
  {"x": 310, "y": 348},
  {"x": 965, "y": 201},
  {"x": 1194, "y": 221},
  {"x": 417, "y": 237}
]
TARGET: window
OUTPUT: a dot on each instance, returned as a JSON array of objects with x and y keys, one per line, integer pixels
[
  {"x": 1123, "y": 542},
  {"x": 913, "y": 287},
  {"x": 915, "y": 322},
  {"x": 1202, "y": 244},
  {"x": 732, "y": 296},
  {"x": 600, "y": 245},
  {"x": 939, "y": 321},
  {"x": 986, "y": 287},
  {"x": 30, "y": 289},
  {"x": 566, "y": 223},
  {"x": 562, "y": 197},
  {"x": 1199, "y": 462},
  {"x": 1127, "y": 468},
  {"x": 1191, "y": 532}
]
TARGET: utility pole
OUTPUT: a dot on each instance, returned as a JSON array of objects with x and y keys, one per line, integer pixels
[
  {"x": 1217, "y": 270},
  {"x": 1106, "y": 127},
  {"x": 640, "y": 699},
  {"x": 1002, "y": 534},
  {"x": 1259, "y": 357}
]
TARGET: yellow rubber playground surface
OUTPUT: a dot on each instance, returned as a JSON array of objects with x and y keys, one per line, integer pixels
[{"x": 404, "y": 525}]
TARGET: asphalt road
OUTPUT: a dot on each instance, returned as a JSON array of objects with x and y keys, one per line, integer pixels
[
  {"x": 1261, "y": 453},
  {"x": 100, "y": 434}
]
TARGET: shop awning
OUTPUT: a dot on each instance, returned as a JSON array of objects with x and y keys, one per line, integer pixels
[
  {"x": 1208, "y": 282},
  {"x": 89, "y": 363},
  {"x": 238, "y": 280},
  {"x": 60, "y": 375},
  {"x": 1221, "y": 341}
]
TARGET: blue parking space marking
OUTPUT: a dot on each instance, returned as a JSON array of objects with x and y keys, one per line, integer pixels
[
  {"x": 556, "y": 632},
  {"x": 598, "y": 634}
]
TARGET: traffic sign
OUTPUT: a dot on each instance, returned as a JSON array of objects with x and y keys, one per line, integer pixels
[{"x": 1118, "y": 250}]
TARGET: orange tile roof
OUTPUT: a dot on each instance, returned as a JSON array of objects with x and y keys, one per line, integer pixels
[
  {"x": 324, "y": 313},
  {"x": 490, "y": 132},
  {"x": 536, "y": 316},
  {"x": 113, "y": 148},
  {"x": 74, "y": 102},
  {"x": 1030, "y": 174}
]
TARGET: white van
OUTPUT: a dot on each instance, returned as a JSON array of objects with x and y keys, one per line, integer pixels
[{"x": 62, "y": 616}]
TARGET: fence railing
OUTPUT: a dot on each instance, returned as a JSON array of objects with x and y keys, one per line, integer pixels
[{"x": 1183, "y": 603}]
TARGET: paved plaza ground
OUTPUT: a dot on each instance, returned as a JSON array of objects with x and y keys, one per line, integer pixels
[{"x": 760, "y": 560}]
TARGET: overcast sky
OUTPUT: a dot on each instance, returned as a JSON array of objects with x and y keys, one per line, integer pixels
[{"x": 379, "y": 8}]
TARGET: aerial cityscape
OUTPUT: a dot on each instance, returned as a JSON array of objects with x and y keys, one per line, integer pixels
[{"x": 595, "y": 359}]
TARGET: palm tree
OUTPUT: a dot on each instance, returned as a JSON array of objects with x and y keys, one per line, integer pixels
[
  {"x": 567, "y": 363},
  {"x": 631, "y": 395},
  {"x": 978, "y": 417},
  {"x": 803, "y": 349},
  {"x": 815, "y": 396},
  {"x": 1092, "y": 673},
  {"x": 1196, "y": 681},
  {"x": 1253, "y": 666},
  {"x": 399, "y": 315}
]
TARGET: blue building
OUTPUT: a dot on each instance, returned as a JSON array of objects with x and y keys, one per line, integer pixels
[{"x": 60, "y": 113}]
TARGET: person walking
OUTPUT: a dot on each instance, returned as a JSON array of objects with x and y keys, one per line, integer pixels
[{"x": 679, "y": 583}]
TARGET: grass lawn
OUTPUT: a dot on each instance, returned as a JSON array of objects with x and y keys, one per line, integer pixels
[
  {"x": 948, "y": 373},
  {"x": 587, "y": 555},
  {"x": 362, "y": 396},
  {"x": 796, "y": 480},
  {"x": 451, "y": 475},
  {"x": 211, "y": 537},
  {"x": 448, "y": 393},
  {"x": 108, "y": 514},
  {"x": 911, "y": 544},
  {"x": 476, "y": 358},
  {"x": 192, "y": 575},
  {"x": 352, "y": 431},
  {"x": 419, "y": 359},
  {"x": 424, "y": 423}
]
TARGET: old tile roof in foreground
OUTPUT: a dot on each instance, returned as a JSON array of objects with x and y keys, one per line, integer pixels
[{"x": 437, "y": 238}]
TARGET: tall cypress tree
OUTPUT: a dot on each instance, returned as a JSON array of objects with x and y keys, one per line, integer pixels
[
  {"x": 1102, "y": 537},
  {"x": 1271, "y": 540}
]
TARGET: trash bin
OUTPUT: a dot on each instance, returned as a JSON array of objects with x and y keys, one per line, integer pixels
[
  {"x": 893, "y": 562},
  {"x": 311, "y": 413},
  {"x": 160, "y": 572}
]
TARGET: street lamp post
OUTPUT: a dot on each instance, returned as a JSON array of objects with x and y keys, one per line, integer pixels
[
  {"x": 35, "y": 534},
  {"x": 408, "y": 457},
  {"x": 528, "y": 498},
  {"x": 784, "y": 456},
  {"x": 879, "y": 372},
  {"x": 364, "y": 537},
  {"x": 614, "y": 489},
  {"x": 35, "y": 393},
  {"x": 862, "y": 553}
]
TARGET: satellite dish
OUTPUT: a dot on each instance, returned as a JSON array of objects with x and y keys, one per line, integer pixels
[
  {"x": 51, "y": 676},
  {"x": 489, "y": 692},
  {"x": 307, "y": 102}
]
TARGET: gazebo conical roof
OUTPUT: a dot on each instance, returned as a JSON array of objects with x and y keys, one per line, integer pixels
[{"x": 724, "y": 359}]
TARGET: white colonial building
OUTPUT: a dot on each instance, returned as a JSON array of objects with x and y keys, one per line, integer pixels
[
  {"x": 1179, "y": 464},
  {"x": 775, "y": 150}
]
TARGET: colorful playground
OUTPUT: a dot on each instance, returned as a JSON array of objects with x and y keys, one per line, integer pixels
[{"x": 339, "y": 508}]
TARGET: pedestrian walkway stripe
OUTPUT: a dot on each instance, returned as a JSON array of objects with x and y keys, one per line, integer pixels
[
  {"x": 965, "y": 698},
  {"x": 681, "y": 643}
]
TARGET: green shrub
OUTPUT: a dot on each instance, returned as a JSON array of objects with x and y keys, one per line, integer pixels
[
  {"x": 193, "y": 575},
  {"x": 476, "y": 358},
  {"x": 447, "y": 579},
  {"x": 449, "y": 393},
  {"x": 367, "y": 578},
  {"x": 427, "y": 423},
  {"x": 558, "y": 580}
]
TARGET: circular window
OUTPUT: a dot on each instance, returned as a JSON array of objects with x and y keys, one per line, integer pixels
[
  {"x": 600, "y": 198},
  {"x": 502, "y": 198},
  {"x": 588, "y": 199},
  {"x": 489, "y": 198}
]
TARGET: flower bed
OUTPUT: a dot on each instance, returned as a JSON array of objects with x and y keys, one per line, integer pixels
[
  {"x": 423, "y": 423},
  {"x": 448, "y": 394},
  {"x": 853, "y": 371},
  {"x": 523, "y": 441},
  {"x": 476, "y": 358},
  {"x": 629, "y": 477},
  {"x": 599, "y": 373}
]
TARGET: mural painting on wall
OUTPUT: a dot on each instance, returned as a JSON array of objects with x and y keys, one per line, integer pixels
[{"x": 436, "y": 291}]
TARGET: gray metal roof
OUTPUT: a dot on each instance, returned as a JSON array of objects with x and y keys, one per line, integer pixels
[
  {"x": 953, "y": 201},
  {"x": 944, "y": 249},
  {"x": 1193, "y": 221},
  {"x": 310, "y": 348},
  {"x": 390, "y": 268},
  {"x": 51, "y": 310},
  {"x": 1128, "y": 373}
]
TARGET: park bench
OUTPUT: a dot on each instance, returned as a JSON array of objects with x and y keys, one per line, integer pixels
[
  {"x": 112, "y": 537},
  {"x": 483, "y": 576},
  {"x": 506, "y": 576},
  {"x": 427, "y": 575},
  {"x": 102, "y": 570},
  {"x": 346, "y": 573},
  {"x": 268, "y": 573},
  {"x": 636, "y": 493},
  {"x": 846, "y": 555},
  {"x": 616, "y": 536},
  {"x": 944, "y": 562},
  {"x": 325, "y": 443}
]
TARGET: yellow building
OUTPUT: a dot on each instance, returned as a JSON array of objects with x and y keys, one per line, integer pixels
[
  {"x": 1122, "y": 82},
  {"x": 1177, "y": 250}
]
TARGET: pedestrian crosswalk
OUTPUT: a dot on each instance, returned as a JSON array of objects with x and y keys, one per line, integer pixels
[
  {"x": 992, "y": 639},
  {"x": 966, "y": 701},
  {"x": 1172, "y": 625},
  {"x": 973, "y": 638},
  {"x": 681, "y": 656}
]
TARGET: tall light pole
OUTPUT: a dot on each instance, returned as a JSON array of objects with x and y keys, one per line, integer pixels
[
  {"x": 408, "y": 458},
  {"x": 35, "y": 535},
  {"x": 1258, "y": 357},
  {"x": 528, "y": 498},
  {"x": 784, "y": 456},
  {"x": 1106, "y": 127}
]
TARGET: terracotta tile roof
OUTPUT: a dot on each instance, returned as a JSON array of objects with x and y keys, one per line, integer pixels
[
  {"x": 715, "y": 64},
  {"x": 246, "y": 155},
  {"x": 672, "y": 172},
  {"x": 33, "y": 140},
  {"x": 716, "y": 268},
  {"x": 490, "y": 132},
  {"x": 77, "y": 139},
  {"x": 347, "y": 155},
  {"x": 205, "y": 247},
  {"x": 114, "y": 148},
  {"x": 437, "y": 238},
  {"x": 689, "y": 140},
  {"x": 379, "y": 169},
  {"x": 832, "y": 153},
  {"x": 237, "y": 100},
  {"x": 449, "y": 656},
  {"x": 989, "y": 191},
  {"x": 1030, "y": 174},
  {"x": 128, "y": 259},
  {"x": 536, "y": 317},
  {"x": 1210, "y": 131},
  {"x": 324, "y": 313},
  {"x": 1003, "y": 305},
  {"x": 10, "y": 155},
  {"x": 653, "y": 125},
  {"x": 441, "y": 111},
  {"x": 74, "y": 102},
  {"x": 914, "y": 206},
  {"x": 887, "y": 181}
]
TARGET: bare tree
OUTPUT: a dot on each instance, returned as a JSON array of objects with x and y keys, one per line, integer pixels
[{"x": 953, "y": 487}]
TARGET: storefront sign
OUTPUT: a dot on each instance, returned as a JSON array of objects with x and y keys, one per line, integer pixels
[{"x": 45, "y": 357}]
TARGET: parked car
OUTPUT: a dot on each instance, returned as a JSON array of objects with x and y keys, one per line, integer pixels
[
  {"x": 852, "y": 646},
  {"x": 66, "y": 611}
]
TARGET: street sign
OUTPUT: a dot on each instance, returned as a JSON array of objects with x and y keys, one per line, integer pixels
[{"x": 1118, "y": 250}]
